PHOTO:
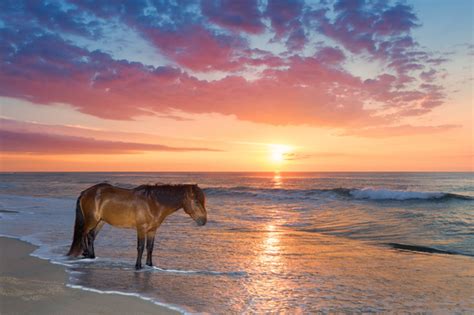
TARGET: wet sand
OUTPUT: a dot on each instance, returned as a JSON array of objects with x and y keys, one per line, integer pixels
[{"x": 29, "y": 285}]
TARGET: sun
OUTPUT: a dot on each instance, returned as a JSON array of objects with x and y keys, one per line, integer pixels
[{"x": 278, "y": 152}]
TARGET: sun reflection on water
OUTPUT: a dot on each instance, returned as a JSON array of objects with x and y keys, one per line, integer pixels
[
  {"x": 270, "y": 256},
  {"x": 272, "y": 280},
  {"x": 271, "y": 241},
  {"x": 277, "y": 180}
]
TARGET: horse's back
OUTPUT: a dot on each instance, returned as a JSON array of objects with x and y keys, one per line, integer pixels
[
  {"x": 114, "y": 205},
  {"x": 105, "y": 190}
]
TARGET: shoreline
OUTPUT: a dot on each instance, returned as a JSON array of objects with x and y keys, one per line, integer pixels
[{"x": 33, "y": 285}]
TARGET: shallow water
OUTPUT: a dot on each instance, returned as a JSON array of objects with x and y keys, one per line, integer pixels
[{"x": 348, "y": 242}]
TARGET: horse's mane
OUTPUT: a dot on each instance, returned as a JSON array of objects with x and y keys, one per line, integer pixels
[
  {"x": 149, "y": 190},
  {"x": 169, "y": 193}
]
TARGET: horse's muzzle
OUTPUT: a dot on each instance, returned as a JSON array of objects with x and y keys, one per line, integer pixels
[{"x": 201, "y": 221}]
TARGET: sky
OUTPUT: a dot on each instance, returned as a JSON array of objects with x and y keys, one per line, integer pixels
[{"x": 329, "y": 85}]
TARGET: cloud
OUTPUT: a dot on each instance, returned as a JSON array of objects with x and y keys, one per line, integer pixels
[
  {"x": 295, "y": 156},
  {"x": 398, "y": 131},
  {"x": 179, "y": 31},
  {"x": 81, "y": 131},
  {"x": 292, "y": 156},
  {"x": 285, "y": 18},
  {"x": 240, "y": 16},
  {"x": 330, "y": 55},
  {"x": 98, "y": 85},
  {"x": 51, "y": 16},
  {"x": 40, "y": 64},
  {"x": 366, "y": 26},
  {"x": 27, "y": 142},
  {"x": 381, "y": 30}
]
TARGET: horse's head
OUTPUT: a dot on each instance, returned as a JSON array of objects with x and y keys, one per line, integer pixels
[{"x": 195, "y": 204}]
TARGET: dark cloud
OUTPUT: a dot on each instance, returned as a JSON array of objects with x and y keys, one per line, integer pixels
[
  {"x": 367, "y": 25},
  {"x": 243, "y": 15},
  {"x": 285, "y": 18},
  {"x": 50, "y": 16}
]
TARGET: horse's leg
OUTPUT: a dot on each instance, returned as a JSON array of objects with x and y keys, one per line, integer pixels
[
  {"x": 150, "y": 240},
  {"x": 90, "y": 243},
  {"x": 98, "y": 228},
  {"x": 86, "y": 244},
  {"x": 88, "y": 237},
  {"x": 140, "y": 247},
  {"x": 89, "y": 250}
]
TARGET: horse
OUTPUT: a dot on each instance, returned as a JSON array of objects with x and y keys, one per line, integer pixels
[{"x": 143, "y": 208}]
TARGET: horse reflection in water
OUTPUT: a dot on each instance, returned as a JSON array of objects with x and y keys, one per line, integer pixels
[{"x": 143, "y": 208}]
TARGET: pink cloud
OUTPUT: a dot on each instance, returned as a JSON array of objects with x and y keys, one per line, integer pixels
[
  {"x": 198, "y": 48},
  {"x": 79, "y": 131},
  {"x": 330, "y": 55},
  {"x": 307, "y": 91},
  {"x": 27, "y": 142}
]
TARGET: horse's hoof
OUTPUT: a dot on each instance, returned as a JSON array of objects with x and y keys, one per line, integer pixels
[
  {"x": 88, "y": 256},
  {"x": 149, "y": 264},
  {"x": 138, "y": 267}
]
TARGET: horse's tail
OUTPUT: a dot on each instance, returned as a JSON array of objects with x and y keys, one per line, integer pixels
[{"x": 76, "y": 246}]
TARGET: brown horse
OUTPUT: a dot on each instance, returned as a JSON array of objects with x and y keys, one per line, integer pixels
[{"x": 143, "y": 208}]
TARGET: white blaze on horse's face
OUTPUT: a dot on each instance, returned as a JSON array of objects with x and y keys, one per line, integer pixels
[{"x": 194, "y": 205}]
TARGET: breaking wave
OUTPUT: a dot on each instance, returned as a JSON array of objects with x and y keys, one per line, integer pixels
[{"x": 349, "y": 193}]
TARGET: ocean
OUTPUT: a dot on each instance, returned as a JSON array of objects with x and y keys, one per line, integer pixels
[{"x": 274, "y": 242}]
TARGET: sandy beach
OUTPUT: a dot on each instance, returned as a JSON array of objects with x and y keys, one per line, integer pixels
[{"x": 29, "y": 285}]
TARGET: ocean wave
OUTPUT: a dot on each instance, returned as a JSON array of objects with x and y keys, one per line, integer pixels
[
  {"x": 349, "y": 193},
  {"x": 387, "y": 194},
  {"x": 424, "y": 249}
]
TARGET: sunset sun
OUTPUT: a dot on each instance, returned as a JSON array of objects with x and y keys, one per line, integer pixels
[{"x": 278, "y": 152}]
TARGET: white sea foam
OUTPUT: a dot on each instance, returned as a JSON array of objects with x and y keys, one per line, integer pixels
[
  {"x": 168, "y": 306},
  {"x": 87, "y": 260},
  {"x": 201, "y": 272}
]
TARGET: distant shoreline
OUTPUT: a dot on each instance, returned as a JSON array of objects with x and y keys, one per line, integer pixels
[{"x": 35, "y": 286}]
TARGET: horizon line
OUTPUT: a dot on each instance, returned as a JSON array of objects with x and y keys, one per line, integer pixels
[{"x": 384, "y": 171}]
